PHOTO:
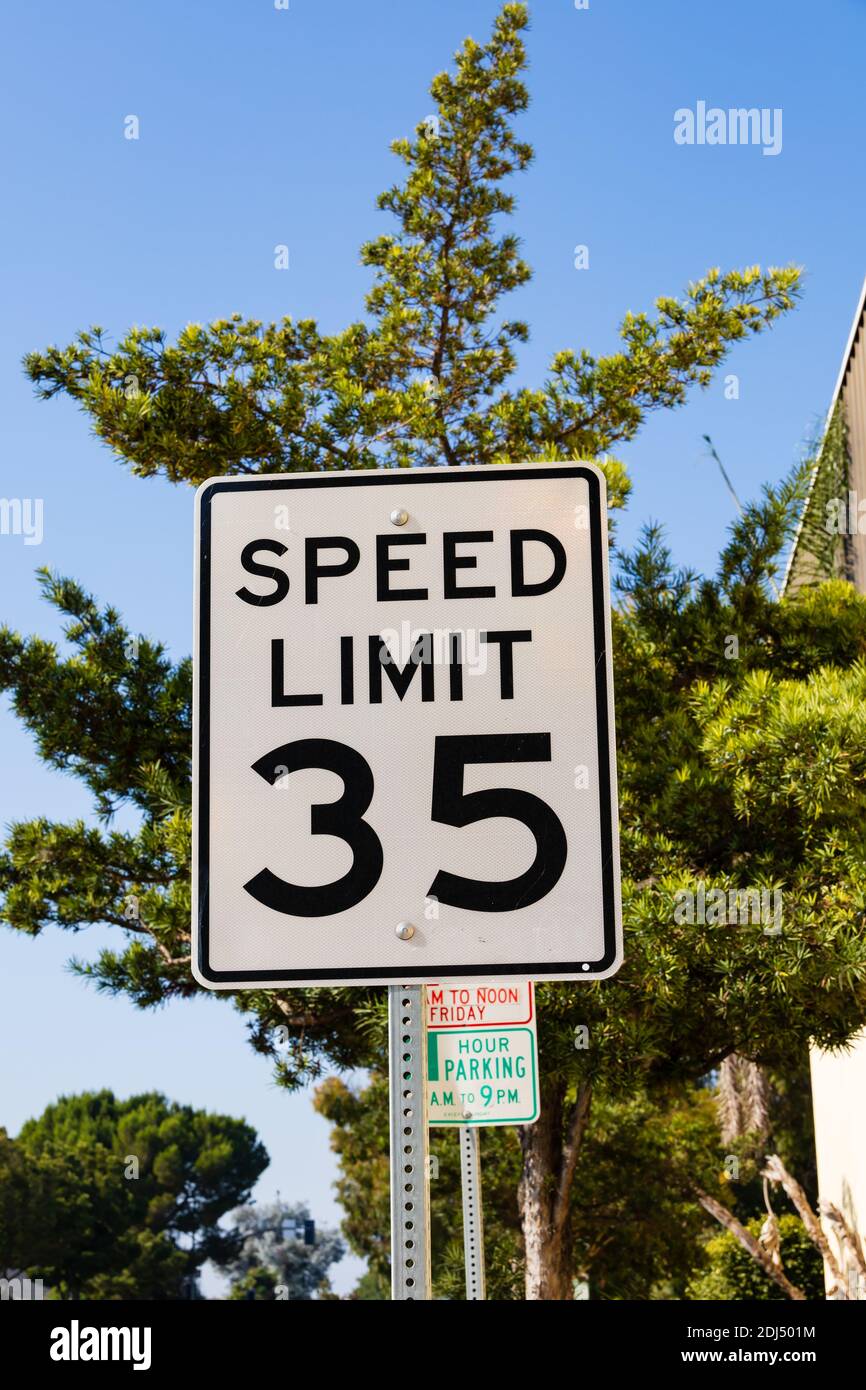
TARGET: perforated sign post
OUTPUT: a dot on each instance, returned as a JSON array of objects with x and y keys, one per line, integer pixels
[{"x": 404, "y": 765}]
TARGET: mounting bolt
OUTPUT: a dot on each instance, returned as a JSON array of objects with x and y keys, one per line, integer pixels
[
  {"x": 399, "y": 517},
  {"x": 405, "y": 931}
]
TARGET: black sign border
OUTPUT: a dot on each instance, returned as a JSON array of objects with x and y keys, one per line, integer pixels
[{"x": 401, "y": 478}]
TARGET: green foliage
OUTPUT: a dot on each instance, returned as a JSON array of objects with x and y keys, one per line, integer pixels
[
  {"x": 27, "y": 1191},
  {"x": 822, "y": 550},
  {"x": 728, "y": 767},
  {"x": 635, "y": 1224},
  {"x": 258, "y": 1285},
  {"x": 423, "y": 382},
  {"x": 359, "y": 1120},
  {"x": 360, "y": 1138},
  {"x": 126, "y": 734},
  {"x": 731, "y": 1272},
  {"x": 118, "y": 704},
  {"x": 426, "y": 380},
  {"x": 106, "y": 1198},
  {"x": 269, "y": 1254}
]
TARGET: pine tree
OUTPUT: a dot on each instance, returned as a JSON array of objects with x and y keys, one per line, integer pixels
[{"x": 107, "y": 1198}]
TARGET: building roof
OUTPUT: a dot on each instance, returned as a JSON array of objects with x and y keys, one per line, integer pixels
[{"x": 847, "y": 358}]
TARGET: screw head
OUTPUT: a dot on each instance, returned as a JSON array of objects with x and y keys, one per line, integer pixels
[
  {"x": 467, "y": 1114},
  {"x": 399, "y": 517},
  {"x": 405, "y": 931}
]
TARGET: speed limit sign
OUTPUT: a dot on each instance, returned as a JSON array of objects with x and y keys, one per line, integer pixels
[{"x": 404, "y": 765}]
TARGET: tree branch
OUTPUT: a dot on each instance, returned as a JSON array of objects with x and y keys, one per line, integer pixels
[
  {"x": 846, "y": 1234},
  {"x": 747, "y": 1241},
  {"x": 775, "y": 1170}
]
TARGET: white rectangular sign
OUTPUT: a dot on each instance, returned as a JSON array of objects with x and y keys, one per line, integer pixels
[
  {"x": 404, "y": 766},
  {"x": 482, "y": 1053},
  {"x": 466, "y": 1004},
  {"x": 482, "y": 1076}
]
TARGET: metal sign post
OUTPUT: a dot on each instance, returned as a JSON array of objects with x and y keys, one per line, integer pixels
[
  {"x": 473, "y": 1215},
  {"x": 410, "y": 1168},
  {"x": 404, "y": 771}
]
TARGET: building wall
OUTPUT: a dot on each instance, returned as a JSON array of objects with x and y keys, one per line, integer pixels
[
  {"x": 839, "y": 1102},
  {"x": 839, "y": 1079},
  {"x": 854, "y": 401},
  {"x": 838, "y": 472}
]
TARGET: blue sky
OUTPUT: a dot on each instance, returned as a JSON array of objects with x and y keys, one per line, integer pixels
[{"x": 261, "y": 126}]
